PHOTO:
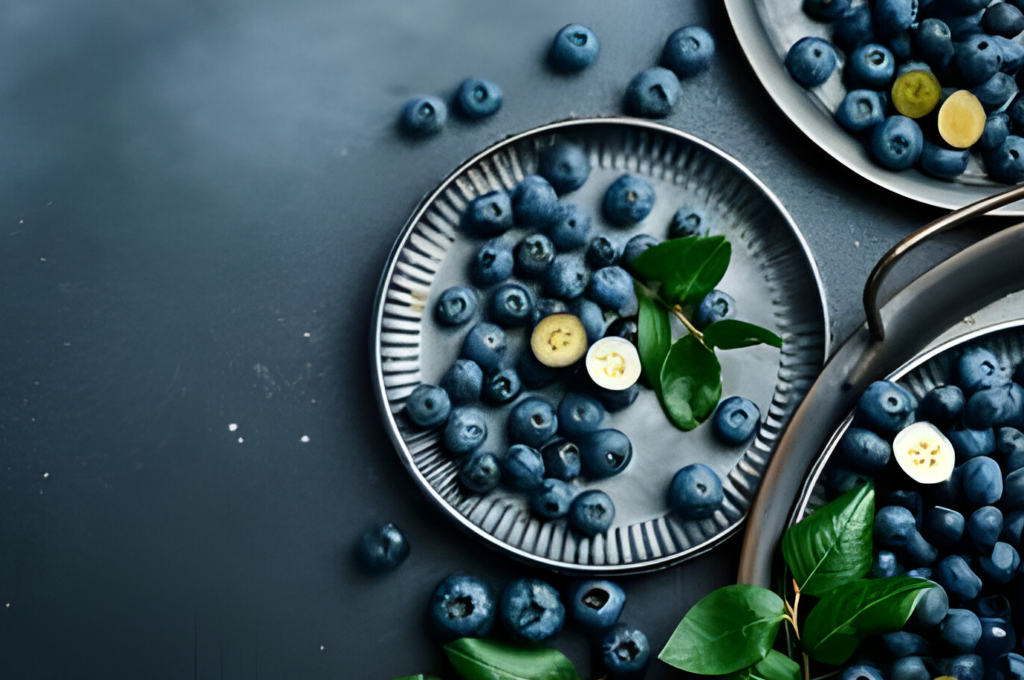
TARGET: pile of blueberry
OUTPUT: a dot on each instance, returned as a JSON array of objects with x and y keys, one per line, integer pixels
[
  {"x": 927, "y": 80},
  {"x": 961, "y": 528}
]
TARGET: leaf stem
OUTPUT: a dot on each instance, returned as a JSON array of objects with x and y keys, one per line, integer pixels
[
  {"x": 678, "y": 312},
  {"x": 807, "y": 667}
]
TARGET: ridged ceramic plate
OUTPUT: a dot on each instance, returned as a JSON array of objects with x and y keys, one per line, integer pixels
[
  {"x": 766, "y": 29},
  {"x": 772, "y": 276}
]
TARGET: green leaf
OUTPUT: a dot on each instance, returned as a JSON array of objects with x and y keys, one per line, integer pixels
[
  {"x": 418, "y": 677},
  {"x": 476, "y": 659},
  {"x": 730, "y": 629},
  {"x": 732, "y": 334},
  {"x": 688, "y": 268},
  {"x": 654, "y": 337},
  {"x": 691, "y": 383},
  {"x": 775, "y": 666},
  {"x": 856, "y": 610},
  {"x": 833, "y": 546}
]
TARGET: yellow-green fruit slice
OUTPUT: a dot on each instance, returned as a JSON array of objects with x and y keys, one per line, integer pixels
[
  {"x": 613, "y": 363},
  {"x": 916, "y": 93},
  {"x": 961, "y": 120},
  {"x": 924, "y": 453},
  {"x": 559, "y": 340}
]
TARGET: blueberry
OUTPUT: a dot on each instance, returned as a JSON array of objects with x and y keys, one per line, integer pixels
[
  {"x": 896, "y": 142},
  {"x": 561, "y": 460},
  {"x": 996, "y": 406},
  {"x": 531, "y": 610},
  {"x": 1003, "y": 19},
  {"x": 981, "y": 481},
  {"x": 885, "y": 407},
  {"x": 920, "y": 572},
  {"x": 826, "y": 10},
  {"x": 637, "y": 245},
  {"x": 579, "y": 414},
  {"x": 909, "y": 668},
  {"x": 625, "y": 653},
  {"x": 864, "y": 450},
  {"x": 570, "y": 228},
  {"x": 995, "y": 92},
  {"x": 956, "y": 578},
  {"x": 382, "y": 548},
  {"x": 688, "y": 221},
  {"x": 463, "y": 382},
  {"x": 522, "y": 468},
  {"x": 960, "y": 631},
  {"x": 486, "y": 345},
  {"x": 480, "y": 472},
  {"x": 628, "y": 200},
  {"x": 532, "y": 422},
  {"x": 534, "y": 255},
  {"x": 565, "y": 165},
  {"x": 592, "y": 513},
  {"x": 428, "y": 406},
  {"x": 978, "y": 58},
  {"x": 895, "y": 527},
  {"x": 962, "y": 25},
  {"x": 1010, "y": 445},
  {"x": 534, "y": 202},
  {"x": 604, "y": 453},
  {"x": 552, "y": 499},
  {"x": 984, "y": 527},
  {"x": 938, "y": 161},
  {"x": 689, "y": 50},
  {"x": 534, "y": 374},
  {"x": 994, "y": 606},
  {"x": 997, "y": 129},
  {"x": 963, "y": 667},
  {"x": 862, "y": 672},
  {"x": 933, "y": 42},
  {"x": 616, "y": 400},
  {"x": 624, "y": 327},
  {"x": 997, "y": 638},
  {"x": 501, "y": 387},
  {"x": 479, "y": 98},
  {"x": 811, "y": 61},
  {"x": 488, "y": 215},
  {"x": 695, "y": 492},
  {"x": 511, "y": 306},
  {"x": 943, "y": 527},
  {"x": 947, "y": 493},
  {"x": 423, "y": 116},
  {"x": 1015, "y": 111},
  {"x": 971, "y": 443},
  {"x": 602, "y": 252},
  {"x": 931, "y": 608},
  {"x": 1013, "y": 527},
  {"x": 1010, "y": 667},
  {"x": 715, "y": 306},
  {"x": 612, "y": 288},
  {"x": 736, "y": 420},
  {"x": 574, "y": 48},
  {"x": 871, "y": 67},
  {"x": 860, "y": 110},
  {"x": 885, "y": 565},
  {"x": 942, "y": 406},
  {"x": 462, "y": 606},
  {"x": 1013, "y": 490},
  {"x": 902, "y": 644},
  {"x": 839, "y": 480},
  {"x": 911, "y": 500},
  {"x": 591, "y": 316},
  {"x": 456, "y": 306},
  {"x": 854, "y": 29},
  {"x": 595, "y": 605},
  {"x": 1001, "y": 565},
  {"x": 568, "y": 277},
  {"x": 894, "y": 16},
  {"x": 1013, "y": 54},
  {"x": 492, "y": 264},
  {"x": 652, "y": 93},
  {"x": 465, "y": 431},
  {"x": 1006, "y": 163}
]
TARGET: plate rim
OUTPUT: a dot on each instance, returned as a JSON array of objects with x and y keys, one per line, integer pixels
[
  {"x": 805, "y": 116},
  {"x": 376, "y": 330}
]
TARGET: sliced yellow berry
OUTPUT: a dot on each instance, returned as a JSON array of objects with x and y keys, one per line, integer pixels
[
  {"x": 916, "y": 93},
  {"x": 961, "y": 120},
  {"x": 559, "y": 340},
  {"x": 613, "y": 363},
  {"x": 924, "y": 453}
]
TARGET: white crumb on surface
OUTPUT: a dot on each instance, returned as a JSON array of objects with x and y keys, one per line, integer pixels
[
  {"x": 304, "y": 439},
  {"x": 232, "y": 427}
]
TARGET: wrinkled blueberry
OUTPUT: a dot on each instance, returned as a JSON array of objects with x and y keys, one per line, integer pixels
[
  {"x": 592, "y": 513},
  {"x": 565, "y": 165},
  {"x": 532, "y": 422},
  {"x": 625, "y": 653},
  {"x": 695, "y": 492},
  {"x": 423, "y": 116},
  {"x": 996, "y": 406},
  {"x": 561, "y": 459},
  {"x": 604, "y": 453},
  {"x": 428, "y": 406},
  {"x": 382, "y": 548},
  {"x": 522, "y": 468},
  {"x": 479, "y": 98},
  {"x": 492, "y": 263},
  {"x": 531, "y": 610},
  {"x": 465, "y": 430},
  {"x": 462, "y": 606},
  {"x": 1010, "y": 445},
  {"x": 480, "y": 472},
  {"x": 810, "y": 61},
  {"x": 1013, "y": 54},
  {"x": 574, "y": 48},
  {"x": 652, "y": 93},
  {"x": 488, "y": 215},
  {"x": 551, "y": 500},
  {"x": 595, "y": 605},
  {"x": 885, "y": 407},
  {"x": 463, "y": 382},
  {"x": 602, "y": 252},
  {"x": 534, "y": 202},
  {"x": 579, "y": 414},
  {"x": 689, "y": 50},
  {"x": 501, "y": 387},
  {"x": 736, "y": 420}
]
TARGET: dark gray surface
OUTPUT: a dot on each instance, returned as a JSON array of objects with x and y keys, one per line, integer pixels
[{"x": 186, "y": 190}]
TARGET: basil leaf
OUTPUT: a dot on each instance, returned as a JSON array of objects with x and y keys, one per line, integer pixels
[
  {"x": 732, "y": 334},
  {"x": 833, "y": 546},
  {"x": 688, "y": 268},
  {"x": 476, "y": 659},
  {"x": 654, "y": 337},
  {"x": 853, "y": 611},
  {"x": 691, "y": 383},
  {"x": 775, "y": 666},
  {"x": 730, "y": 629}
]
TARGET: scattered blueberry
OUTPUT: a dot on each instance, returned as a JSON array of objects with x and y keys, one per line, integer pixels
[
  {"x": 465, "y": 430},
  {"x": 688, "y": 221},
  {"x": 534, "y": 202},
  {"x": 895, "y": 527},
  {"x": 602, "y": 252},
  {"x": 981, "y": 481},
  {"x": 492, "y": 263},
  {"x": 695, "y": 492},
  {"x": 871, "y": 67},
  {"x": 896, "y": 142},
  {"x": 635, "y": 246},
  {"x": 565, "y": 166},
  {"x": 561, "y": 459},
  {"x": 652, "y": 93},
  {"x": 534, "y": 255},
  {"x": 604, "y": 453},
  {"x": 531, "y": 610},
  {"x": 522, "y": 468},
  {"x": 625, "y": 653},
  {"x": 864, "y": 450},
  {"x": 956, "y": 578},
  {"x": 574, "y": 48},
  {"x": 486, "y": 345},
  {"x": 488, "y": 215},
  {"x": 463, "y": 382},
  {"x": 592, "y": 513},
  {"x": 480, "y": 472},
  {"x": 567, "y": 277},
  {"x": 511, "y": 306},
  {"x": 579, "y": 414},
  {"x": 423, "y": 116},
  {"x": 456, "y": 306},
  {"x": 860, "y": 110},
  {"x": 595, "y": 605},
  {"x": 552, "y": 499},
  {"x": 570, "y": 228},
  {"x": 382, "y": 548},
  {"x": 532, "y": 422},
  {"x": 689, "y": 50},
  {"x": 628, "y": 200},
  {"x": 885, "y": 407},
  {"x": 811, "y": 61},
  {"x": 501, "y": 387},
  {"x": 736, "y": 420},
  {"x": 479, "y": 98},
  {"x": 428, "y": 406},
  {"x": 462, "y": 606},
  {"x": 715, "y": 307}
]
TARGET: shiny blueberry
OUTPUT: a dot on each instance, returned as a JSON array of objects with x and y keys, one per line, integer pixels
[
  {"x": 602, "y": 252},
  {"x": 688, "y": 221},
  {"x": 491, "y": 264},
  {"x": 570, "y": 228},
  {"x": 567, "y": 277},
  {"x": 1006, "y": 163},
  {"x": 479, "y": 98},
  {"x": 871, "y": 67},
  {"x": 625, "y": 653},
  {"x": 595, "y": 605},
  {"x": 736, "y": 420},
  {"x": 980, "y": 369},
  {"x": 811, "y": 61},
  {"x": 612, "y": 288},
  {"x": 943, "y": 527},
  {"x": 534, "y": 202},
  {"x": 604, "y": 453},
  {"x": 463, "y": 382},
  {"x": 885, "y": 407},
  {"x": 909, "y": 668},
  {"x": 628, "y": 200},
  {"x": 465, "y": 431},
  {"x": 511, "y": 306},
  {"x": 854, "y": 29},
  {"x": 456, "y": 306},
  {"x": 978, "y": 58},
  {"x": 984, "y": 527},
  {"x": 715, "y": 306},
  {"x": 590, "y": 315},
  {"x": 579, "y": 414},
  {"x": 532, "y": 422},
  {"x": 522, "y": 468},
  {"x": 480, "y": 472},
  {"x": 997, "y": 129},
  {"x": 534, "y": 255},
  {"x": 997, "y": 639},
  {"x": 960, "y": 631},
  {"x": 462, "y": 606},
  {"x": 574, "y": 48},
  {"x": 885, "y": 565},
  {"x": 423, "y": 116},
  {"x": 382, "y": 548},
  {"x": 942, "y": 406},
  {"x": 981, "y": 481},
  {"x": 896, "y": 142},
  {"x": 531, "y": 610},
  {"x": 488, "y": 215},
  {"x": 592, "y": 513},
  {"x": 652, "y": 93},
  {"x": 944, "y": 163},
  {"x": 428, "y": 406},
  {"x": 565, "y": 166},
  {"x": 1001, "y": 565},
  {"x": 625, "y": 327},
  {"x": 486, "y": 345},
  {"x": 934, "y": 43},
  {"x": 637, "y": 245},
  {"x": 616, "y": 400},
  {"x": 902, "y": 644},
  {"x": 501, "y": 387},
  {"x": 860, "y": 110},
  {"x": 894, "y": 16},
  {"x": 864, "y": 450},
  {"x": 957, "y": 579},
  {"x": 971, "y": 443},
  {"x": 561, "y": 460},
  {"x": 551, "y": 500},
  {"x": 695, "y": 492},
  {"x": 1003, "y": 19},
  {"x": 689, "y": 50}
]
